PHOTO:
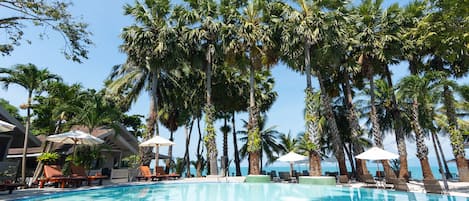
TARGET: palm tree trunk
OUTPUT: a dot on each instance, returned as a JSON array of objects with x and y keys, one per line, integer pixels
[
  {"x": 334, "y": 131},
  {"x": 210, "y": 142},
  {"x": 448, "y": 173},
  {"x": 349, "y": 156},
  {"x": 170, "y": 153},
  {"x": 253, "y": 128},
  {"x": 198, "y": 165},
  {"x": 354, "y": 127},
  {"x": 455, "y": 135},
  {"x": 26, "y": 137},
  {"x": 187, "y": 161},
  {"x": 225, "y": 147},
  {"x": 440, "y": 166},
  {"x": 399, "y": 130},
  {"x": 311, "y": 127},
  {"x": 235, "y": 147},
  {"x": 422, "y": 149}
]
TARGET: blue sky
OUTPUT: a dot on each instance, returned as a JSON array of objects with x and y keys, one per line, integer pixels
[{"x": 106, "y": 20}]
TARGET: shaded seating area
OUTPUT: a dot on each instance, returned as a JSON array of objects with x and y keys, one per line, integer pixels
[
  {"x": 81, "y": 172},
  {"x": 8, "y": 172},
  {"x": 52, "y": 174}
]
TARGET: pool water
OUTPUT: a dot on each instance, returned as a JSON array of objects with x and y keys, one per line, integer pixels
[{"x": 238, "y": 192}]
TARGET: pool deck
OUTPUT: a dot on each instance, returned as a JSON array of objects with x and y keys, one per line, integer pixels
[{"x": 455, "y": 188}]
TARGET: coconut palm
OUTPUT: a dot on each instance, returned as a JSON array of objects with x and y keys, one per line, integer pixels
[
  {"x": 151, "y": 46},
  {"x": 252, "y": 47},
  {"x": 203, "y": 37},
  {"x": 377, "y": 38},
  {"x": 32, "y": 79},
  {"x": 412, "y": 91}
]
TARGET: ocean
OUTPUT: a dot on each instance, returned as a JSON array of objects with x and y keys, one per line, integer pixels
[{"x": 416, "y": 171}]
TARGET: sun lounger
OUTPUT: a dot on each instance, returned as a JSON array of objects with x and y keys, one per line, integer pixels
[
  {"x": 145, "y": 174},
  {"x": 159, "y": 172},
  {"x": 8, "y": 172},
  {"x": 54, "y": 175},
  {"x": 81, "y": 172}
]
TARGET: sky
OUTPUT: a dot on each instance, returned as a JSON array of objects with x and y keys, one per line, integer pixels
[{"x": 106, "y": 20}]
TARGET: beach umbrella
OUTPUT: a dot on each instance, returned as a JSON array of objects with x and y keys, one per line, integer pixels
[
  {"x": 292, "y": 157},
  {"x": 377, "y": 154},
  {"x": 5, "y": 126},
  {"x": 75, "y": 137},
  {"x": 156, "y": 142}
]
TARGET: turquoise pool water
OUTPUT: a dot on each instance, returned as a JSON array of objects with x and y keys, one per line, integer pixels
[{"x": 238, "y": 192}]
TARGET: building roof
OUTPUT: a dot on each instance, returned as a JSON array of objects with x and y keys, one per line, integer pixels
[{"x": 18, "y": 132}]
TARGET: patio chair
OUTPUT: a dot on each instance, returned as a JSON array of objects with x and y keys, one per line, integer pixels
[
  {"x": 284, "y": 176},
  {"x": 145, "y": 174},
  {"x": 432, "y": 186},
  {"x": 8, "y": 172},
  {"x": 81, "y": 172},
  {"x": 159, "y": 172},
  {"x": 273, "y": 176},
  {"x": 54, "y": 175}
]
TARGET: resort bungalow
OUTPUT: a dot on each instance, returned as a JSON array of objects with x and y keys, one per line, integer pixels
[{"x": 14, "y": 139}]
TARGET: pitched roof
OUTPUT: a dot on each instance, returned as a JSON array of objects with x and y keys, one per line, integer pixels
[{"x": 18, "y": 132}]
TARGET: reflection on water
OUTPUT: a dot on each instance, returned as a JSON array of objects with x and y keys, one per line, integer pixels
[{"x": 241, "y": 192}]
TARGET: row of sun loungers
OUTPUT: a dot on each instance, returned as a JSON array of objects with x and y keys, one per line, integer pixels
[
  {"x": 52, "y": 174},
  {"x": 160, "y": 174}
]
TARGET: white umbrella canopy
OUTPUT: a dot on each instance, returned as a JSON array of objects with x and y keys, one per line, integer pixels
[
  {"x": 156, "y": 141},
  {"x": 75, "y": 137},
  {"x": 292, "y": 157},
  {"x": 376, "y": 153},
  {"x": 5, "y": 126}
]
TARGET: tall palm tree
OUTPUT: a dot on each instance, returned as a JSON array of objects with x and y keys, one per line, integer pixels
[
  {"x": 204, "y": 37},
  {"x": 151, "y": 45},
  {"x": 412, "y": 91},
  {"x": 32, "y": 79},
  {"x": 302, "y": 31},
  {"x": 251, "y": 46},
  {"x": 376, "y": 36}
]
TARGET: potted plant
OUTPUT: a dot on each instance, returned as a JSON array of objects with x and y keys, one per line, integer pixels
[{"x": 48, "y": 158}]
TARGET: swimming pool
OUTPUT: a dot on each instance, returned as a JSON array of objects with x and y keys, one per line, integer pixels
[{"x": 238, "y": 192}]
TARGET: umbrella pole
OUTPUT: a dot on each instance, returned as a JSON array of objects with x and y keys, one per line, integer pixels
[
  {"x": 291, "y": 169},
  {"x": 74, "y": 150},
  {"x": 157, "y": 156}
]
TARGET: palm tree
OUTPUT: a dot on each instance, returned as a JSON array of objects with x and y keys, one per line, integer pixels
[
  {"x": 412, "y": 91},
  {"x": 204, "y": 38},
  {"x": 252, "y": 46},
  {"x": 151, "y": 45},
  {"x": 376, "y": 46},
  {"x": 302, "y": 31},
  {"x": 269, "y": 145},
  {"x": 32, "y": 79}
]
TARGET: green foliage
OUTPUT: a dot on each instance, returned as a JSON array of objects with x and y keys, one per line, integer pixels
[
  {"x": 11, "y": 109},
  {"x": 48, "y": 157},
  {"x": 132, "y": 161},
  {"x": 179, "y": 167},
  {"x": 45, "y": 14}
]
